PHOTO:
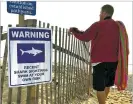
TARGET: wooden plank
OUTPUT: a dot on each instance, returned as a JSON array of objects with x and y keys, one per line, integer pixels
[
  {"x": 70, "y": 53},
  {"x": 84, "y": 66},
  {"x": 31, "y": 90},
  {"x": 72, "y": 68},
  {"x": 4, "y": 66},
  {"x": 64, "y": 73},
  {"x": 37, "y": 86},
  {"x": 87, "y": 53},
  {"x": 82, "y": 69},
  {"x": 42, "y": 85},
  {"x": 10, "y": 89},
  {"x": 79, "y": 68},
  {"x": 59, "y": 68},
  {"x": 76, "y": 71},
  {"x": 19, "y": 88},
  {"x": 62, "y": 67},
  {"x": 46, "y": 85},
  {"x": 55, "y": 67},
  {"x": 3, "y": 36},
  {"x": 9, "y": 96},
  {"x": 51, "y": 87},
  {"x": 67, "y": 77},
  {"x": 1, "y": 29}
]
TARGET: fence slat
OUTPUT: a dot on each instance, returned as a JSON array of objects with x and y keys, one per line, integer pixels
[
  {"x": 28, "y": 95},
  {"x": 10, "y": 89},
  {"x": 31, "y": 90},
  {"x": 86, "y": 68},
  {"x": 64, "y": 73},
  {"x": 86, "y": 56},
  {"x": 1, "y": 67},
  {"x": 55, "y": 67},
  {"x": 82, "y": 70},
  {"x": 46, "y": 85},
  {"x": 62, "y": 58},
  {"x": 76, "y": 71},
  {"x": 19, "y": 88},
  {"x": 10, "y": 96},
  {"x": 79, "y": 72},
  {"x": 72, "y": 68},
  {"x": 3, "y": 36},
  {"x": 4, "y": 63},
  {"x": 68, "y": 60},
  {"x": 85, "y": 72},
  {"x": 42, "y": 85},
  {"x": 51, "y": 87},
  {"x": 59, "y": 84},
  {"x": 37, "y": 87},
  {"x": 1, "y": 30}
]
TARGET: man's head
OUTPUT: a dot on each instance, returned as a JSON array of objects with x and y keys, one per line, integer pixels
[{"x": 106, "y": 10}]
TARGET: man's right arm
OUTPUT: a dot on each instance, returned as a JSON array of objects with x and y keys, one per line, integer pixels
[{"x": 87, "y": 35}]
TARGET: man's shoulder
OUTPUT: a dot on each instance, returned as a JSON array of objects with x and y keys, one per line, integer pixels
[
  {"x": 99, "y": 22},
  {"x": 104, "y": 22},
  {"x": 95, "y": 23}
]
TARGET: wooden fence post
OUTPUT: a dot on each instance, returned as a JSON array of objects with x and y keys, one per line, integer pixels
[
  {"x": 1, "y": 29},
  {"x": 31, "y": 90},
  {"x": 21, "y": 21},
  {"x": 20, "y": 24}
]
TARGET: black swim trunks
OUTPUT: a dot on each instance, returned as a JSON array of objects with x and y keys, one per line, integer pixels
[{"x": 104, "y": 75}]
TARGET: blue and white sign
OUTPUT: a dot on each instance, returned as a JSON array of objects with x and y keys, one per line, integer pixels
[
  {"x": 29, "y": 56},
  {"x": 22, "y": 7}
]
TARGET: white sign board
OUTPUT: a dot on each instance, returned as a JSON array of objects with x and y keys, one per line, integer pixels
[{"x": 29, "y": 56}]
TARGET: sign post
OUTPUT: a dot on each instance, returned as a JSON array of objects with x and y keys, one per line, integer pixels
[
  {"x": 23, "y": 8},
  {"x": 21, "y": 20}
]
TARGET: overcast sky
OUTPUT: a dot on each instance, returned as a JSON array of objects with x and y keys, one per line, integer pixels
[{"x": 67, "y": 14}]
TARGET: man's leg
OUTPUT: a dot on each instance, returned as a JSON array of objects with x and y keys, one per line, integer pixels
[
  {"x": 110, "y": 76},
  {"x": 107, "y": 89},
  {"x": 101, "y": 95},
  {"x": 99, "y": 82}
]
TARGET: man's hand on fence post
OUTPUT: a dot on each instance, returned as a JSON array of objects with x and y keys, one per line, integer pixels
[
  {"x": 71, "y": 30},
  {"x": 69, "y": 33}
]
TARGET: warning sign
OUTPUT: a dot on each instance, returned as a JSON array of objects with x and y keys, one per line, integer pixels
[{"x": 29, "y": 56}]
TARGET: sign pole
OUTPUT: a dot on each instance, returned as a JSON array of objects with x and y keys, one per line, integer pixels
[
  {"x": 31, "y": 89},
  {"x": 32, "y": 94},
  {"x": 21, "y": 23},
  {"x": 21, "y": 20}
]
